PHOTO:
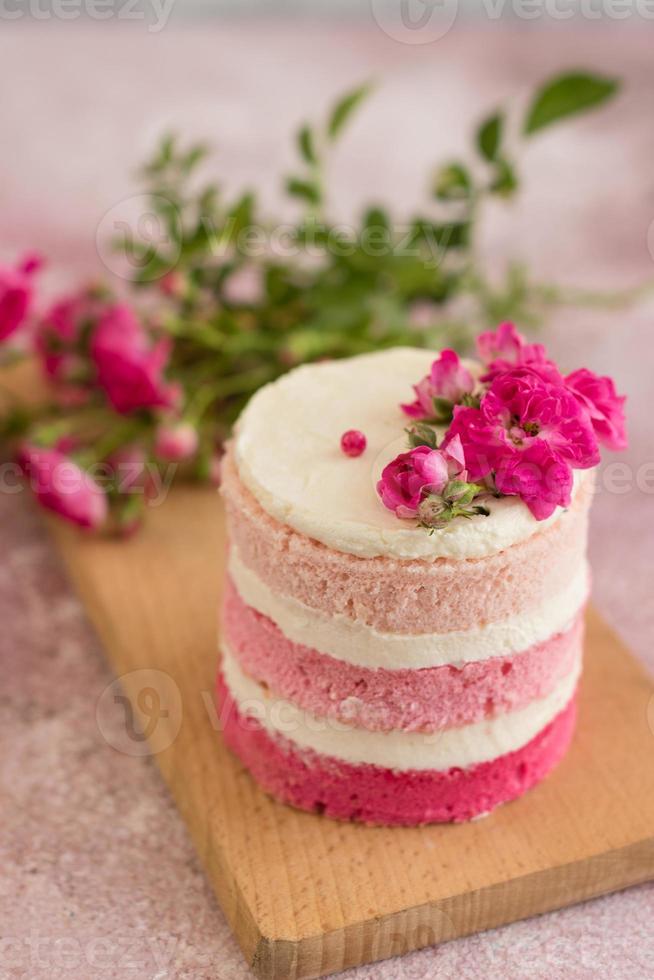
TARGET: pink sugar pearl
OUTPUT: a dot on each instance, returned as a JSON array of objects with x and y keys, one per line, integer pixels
[{"x": 353, "y": 442}]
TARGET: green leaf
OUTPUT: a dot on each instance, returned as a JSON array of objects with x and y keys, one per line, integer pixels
[
  {"x": 238, "y": 218},
  {"x": 193, "y": 157},
  {"x": 453, "y": 182},
  {"x": 422, "y": 435},
  {"x": 452, "y": 234},
  {"x": 306, "y": 145},
  {"x": 461, "y": 493},
  {"x": 170, "y": 212},
  {"x": 307, "y": 190},
  {"x": 208, "y": 199},
  {"x": 167, "y": 149},
  {"x": 242, "y": 210},
  {"x": 311, "y": 232},
  {"x": 566, "y": 95},
  {"x": 15, "y": 422},
  {"x": 443, "y": 409},
  {"x": 505, "y": 181},
  {"x": 376, "y": 217},
  {"x": 489, "y": 136},
  {"x": 344, "y": 109},
  {"x": 162, "y": 157}
]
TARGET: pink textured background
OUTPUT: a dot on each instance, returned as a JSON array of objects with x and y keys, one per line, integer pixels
[{"x": 99, "y": 879}]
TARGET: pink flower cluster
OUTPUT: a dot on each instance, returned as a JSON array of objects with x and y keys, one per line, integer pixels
[
  {"x": 96, "y": 354},
  {"x": 522, "y": 429},
  {"x": 85, "y": 342}
]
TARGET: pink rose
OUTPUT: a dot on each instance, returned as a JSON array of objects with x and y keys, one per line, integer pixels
[
  {"x": 175, "y": 443},
  {"x": 483, "y": 440},
  {"x": 605, "y": 408},
  {"x": 505, "y": 348},
  {"x": 119, "y": 331},
  {"x": 57, "y": 333},
  {"x": 524, "y": 408},
  {"x": 411, "y": 476},
  {"x": 16, "y": 294},
  {"x": 448, "y": 379},
  {"x": 61, "y": 486},
  {"x": 538, "y": 476},
  {"x": 505, "y": 342},
  {"x": 129, "y": 367},
  {"x": 528, "y": 434}
]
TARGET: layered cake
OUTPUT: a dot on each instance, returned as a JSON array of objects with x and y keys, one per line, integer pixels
[{"x": 403, "y": 613}]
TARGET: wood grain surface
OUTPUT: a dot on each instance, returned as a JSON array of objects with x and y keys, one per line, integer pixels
[{"x": 307, "y": 896}]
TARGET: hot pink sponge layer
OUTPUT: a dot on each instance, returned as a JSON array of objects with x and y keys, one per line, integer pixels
[
  {"x": 382, "y": 700},
  {"x": 370, "y": 794}
]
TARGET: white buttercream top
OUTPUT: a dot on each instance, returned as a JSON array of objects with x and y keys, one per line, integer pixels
[{"x": 287, "y": 451}]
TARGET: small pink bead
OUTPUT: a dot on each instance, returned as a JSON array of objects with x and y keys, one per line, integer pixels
[{"x": 353, "y": 442}]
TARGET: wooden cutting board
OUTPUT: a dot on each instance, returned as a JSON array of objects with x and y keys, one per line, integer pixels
[{"x": 307, "y": 896}]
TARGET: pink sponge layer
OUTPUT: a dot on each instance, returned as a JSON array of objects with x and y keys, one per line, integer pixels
[
  {"x": 382, "y": 700},
  {"x": 370, "y": 794},
  {"x": 407, "y": 596}
]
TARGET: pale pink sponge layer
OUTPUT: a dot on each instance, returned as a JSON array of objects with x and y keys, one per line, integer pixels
[
  {"x": 398, "y": 596},
  {"x": 383, "y": 700},
  {"x": 371, "y": 794}
]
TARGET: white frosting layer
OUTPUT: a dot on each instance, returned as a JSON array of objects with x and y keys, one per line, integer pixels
[
  {"x": 356, "y": 643},
  {"x": 465, "y": 746},
  {"x": 287, "y": 451}
]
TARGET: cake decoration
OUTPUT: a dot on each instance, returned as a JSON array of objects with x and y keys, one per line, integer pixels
[
  {"x": 353, "y": 443},
  {"x": 520, "y": 431},
  {"x": 447, "y": 384},
  {"x": 431, "y": 485}
]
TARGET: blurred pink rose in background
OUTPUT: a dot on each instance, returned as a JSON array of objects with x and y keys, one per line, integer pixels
[
  {"x": 61, "y": 486},
  {"x": 130, "y": 368},
  {"x": 16, "y": 293}
]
